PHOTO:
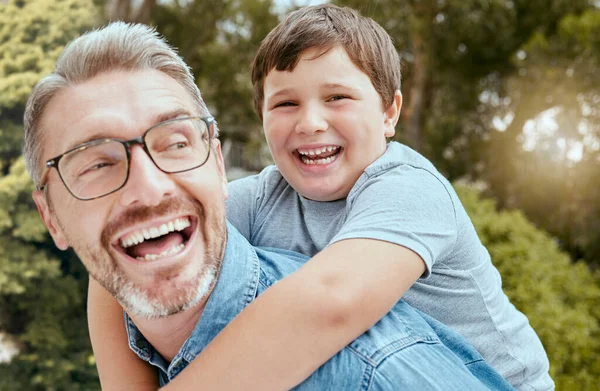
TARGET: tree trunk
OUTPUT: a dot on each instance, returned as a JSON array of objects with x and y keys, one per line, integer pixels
[
  {"x": 413, "y": 114},
  {"x": 129, "y": 11}
]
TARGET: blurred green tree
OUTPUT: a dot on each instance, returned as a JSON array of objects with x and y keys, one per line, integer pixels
[
  {"x": 32, "y": 35},
  {"x": 559, "y": 298},
  {"x": 218, "y": 39},
  {"x": 41, "y": 299},
  {"x": 547, "y": 160},
  {"x": 41, "y": 292}
]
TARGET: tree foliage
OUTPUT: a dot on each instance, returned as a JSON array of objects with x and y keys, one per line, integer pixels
[
  {"x": 218, "y": 39},
  {"x": 559, "y": 298},
  {"x": 41, "y": 293},
  {"x": 41, "y": 298},
  {"x": 32, "y": 35},
  {"x": 550, "y": 170}
]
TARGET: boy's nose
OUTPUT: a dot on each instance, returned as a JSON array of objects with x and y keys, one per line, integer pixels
[
  {"x": 311, "y": 121},
  {"x": 147, "y": 184}
]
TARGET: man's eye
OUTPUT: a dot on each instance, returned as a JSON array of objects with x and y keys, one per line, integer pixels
[
  {"x": 95, "y": 168},
  {"x": 178, "y": 145}
]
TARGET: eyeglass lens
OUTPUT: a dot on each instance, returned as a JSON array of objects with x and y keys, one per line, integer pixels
[{"x": 101, "y": 168}]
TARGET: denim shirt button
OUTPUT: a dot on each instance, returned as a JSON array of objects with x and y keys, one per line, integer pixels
[
  {"x": 140, "y": 344},
  {"x": 178, "y": 367}
]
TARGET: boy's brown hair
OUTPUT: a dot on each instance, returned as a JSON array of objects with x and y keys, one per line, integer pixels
[{"x": 325, "y": 26}]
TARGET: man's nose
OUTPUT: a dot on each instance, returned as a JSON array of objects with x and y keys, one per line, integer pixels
[
  {"x": 311, "y": 120},
  {"x": 147, "y": 184}
]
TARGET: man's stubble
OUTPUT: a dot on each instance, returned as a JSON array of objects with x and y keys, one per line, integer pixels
[{"x": 103, "y": 267}]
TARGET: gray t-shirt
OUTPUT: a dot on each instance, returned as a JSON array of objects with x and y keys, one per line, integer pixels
[{"x": 401, "y": 198}]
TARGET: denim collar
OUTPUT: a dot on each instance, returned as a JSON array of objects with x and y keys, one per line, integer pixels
[{"x": 236, "y": 287}]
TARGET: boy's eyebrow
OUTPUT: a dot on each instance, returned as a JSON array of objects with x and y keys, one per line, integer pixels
[
  {"x": 338, "y": 85},
  {"x": 278, "y": 93},
  {"x": 326, "y": 86}
]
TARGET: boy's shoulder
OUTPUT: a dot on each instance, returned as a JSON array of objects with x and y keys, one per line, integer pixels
[
  {"x": 397, "y": 155},
  {"x": 398, "y": 170},
  {"x": 267, "y": 185},
  {"x": 268, "y": 178}
]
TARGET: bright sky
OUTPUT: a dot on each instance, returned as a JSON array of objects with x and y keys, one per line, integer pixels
[{"x": 541, "y": 132}]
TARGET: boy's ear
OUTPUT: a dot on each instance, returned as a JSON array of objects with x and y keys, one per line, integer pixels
[
  {"x": 50, "y": 220},
  {"x": 392, "y": 114},
  {"x": 221, "y": 167}
]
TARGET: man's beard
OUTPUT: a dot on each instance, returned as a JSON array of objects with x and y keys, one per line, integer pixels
[{"x": 151, "y": 303}]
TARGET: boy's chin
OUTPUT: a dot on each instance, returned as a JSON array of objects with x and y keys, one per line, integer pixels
[{"x": 323, "y": 193}]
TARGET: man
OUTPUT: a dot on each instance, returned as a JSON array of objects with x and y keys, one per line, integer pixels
[{"x": 129, "y": 173}]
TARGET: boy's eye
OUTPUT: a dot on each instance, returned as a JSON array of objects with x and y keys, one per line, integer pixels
[
  {"x": 337, "y": 97},
  {"x": 284, "y": 104}
]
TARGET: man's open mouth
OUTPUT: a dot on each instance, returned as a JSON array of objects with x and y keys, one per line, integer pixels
[
  {"x": 164, "y": 240},
  {"x": 319, "y": 156}
]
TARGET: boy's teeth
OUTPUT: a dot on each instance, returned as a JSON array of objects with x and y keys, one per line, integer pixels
[
  {"x": 150, "y": 233},
  {"x": 319, "y": 156},
  {"x": 317, "y": 151},
  {"x": 308, "y": 161}
]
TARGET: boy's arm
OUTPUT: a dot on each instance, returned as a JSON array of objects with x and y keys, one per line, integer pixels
[
  {"x": 302, "y": 321},
  {"x": 118, "y": 367}
]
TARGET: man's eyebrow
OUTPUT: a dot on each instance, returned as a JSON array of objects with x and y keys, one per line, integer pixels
[
  {"x": 93, "y": 137},
  {"x": 165, "y": 116},
  {"x": 160, "y": 117}
]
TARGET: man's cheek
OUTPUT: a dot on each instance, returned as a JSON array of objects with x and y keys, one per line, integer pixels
[
  {"x": 202, "y": 186},
  {"x": 188, "y": 182}
]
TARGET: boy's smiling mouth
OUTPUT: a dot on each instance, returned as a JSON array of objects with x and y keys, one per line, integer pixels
[
  {"x": 159, "y": 241},
  {"x": 319, "y": 155}
]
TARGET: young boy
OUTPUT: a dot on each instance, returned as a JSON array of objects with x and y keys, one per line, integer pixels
[{"x": 380, "y": 221}]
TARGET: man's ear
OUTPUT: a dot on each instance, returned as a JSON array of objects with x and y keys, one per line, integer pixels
[
  {"x": 221, "y": 167},
  {"x": 50, "y": 220},
  {"x": 392, "y": 114}
]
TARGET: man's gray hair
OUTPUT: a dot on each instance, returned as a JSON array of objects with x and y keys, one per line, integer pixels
[{"x": 117, "y": 46}]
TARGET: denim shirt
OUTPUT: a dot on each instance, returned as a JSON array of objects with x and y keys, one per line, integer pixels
[{"x": 404, "y": 350}]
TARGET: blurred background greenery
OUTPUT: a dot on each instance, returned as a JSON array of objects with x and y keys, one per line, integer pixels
[{"x": 502, "y": 95}]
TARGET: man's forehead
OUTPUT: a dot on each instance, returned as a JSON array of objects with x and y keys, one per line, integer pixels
[{"x": 116, "y": 104}]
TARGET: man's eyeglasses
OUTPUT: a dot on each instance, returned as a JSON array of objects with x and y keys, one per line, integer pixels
[{"x": 101, "y": 167}]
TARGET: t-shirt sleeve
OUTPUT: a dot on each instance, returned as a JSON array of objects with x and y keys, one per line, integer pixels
[
  {"x": 242, "y": 203},
  {"x": 407, "y": 206}
]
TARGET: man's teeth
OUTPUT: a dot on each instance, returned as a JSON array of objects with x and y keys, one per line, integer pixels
[
  {"x": 317, "y": 151},
  {"x": 150, "y": 233},
  {"x": 171, "y": 251}
]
